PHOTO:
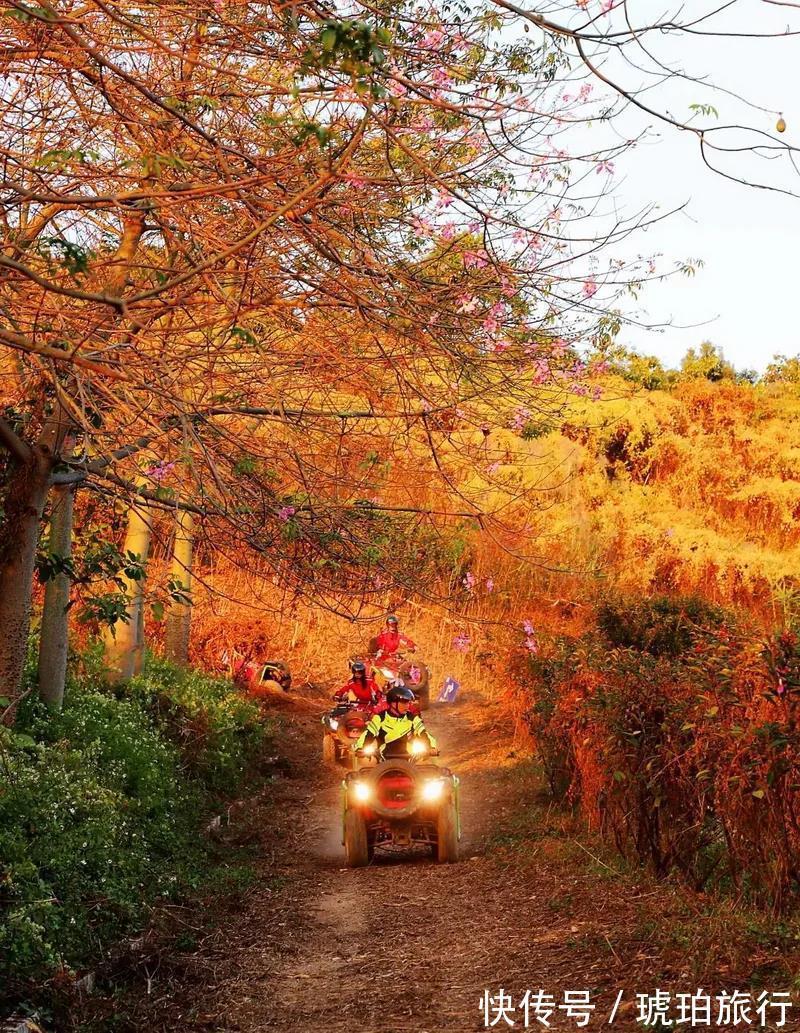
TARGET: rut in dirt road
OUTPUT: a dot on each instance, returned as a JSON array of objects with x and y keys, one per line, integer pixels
[{"x": 408, "y": 945}]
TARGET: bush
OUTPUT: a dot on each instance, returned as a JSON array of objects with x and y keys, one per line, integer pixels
[
  {"x": 661, "y": 625},
  {"x": 685, "y": 752},
  {"x": 100, "y": 808}
]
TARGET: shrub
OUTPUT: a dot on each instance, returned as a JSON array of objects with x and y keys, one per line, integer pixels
[
  {"x": 661, "y": 625},
  {"x": 685, "y": 751},
  {"x": 100, "y": 807}
]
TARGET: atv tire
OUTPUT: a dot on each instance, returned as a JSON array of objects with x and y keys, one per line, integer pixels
[
  {"x": 356, "y": 845},
  {"x": 447, "y": 834},
  {"x": 328, "y": 749}
]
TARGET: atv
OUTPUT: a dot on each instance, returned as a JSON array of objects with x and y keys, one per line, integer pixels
[
  {"x": 342, "y": 726},
  {"x": 412, "y": 673},
  {"x": 401, "y": 800}
]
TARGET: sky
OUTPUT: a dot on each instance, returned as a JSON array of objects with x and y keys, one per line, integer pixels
[{"x": 746, "y": 296}]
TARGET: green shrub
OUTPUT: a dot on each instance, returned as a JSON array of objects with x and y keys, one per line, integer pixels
[
  {"x": 661, "y": 625},
  {"x": 100, "y": 807}
]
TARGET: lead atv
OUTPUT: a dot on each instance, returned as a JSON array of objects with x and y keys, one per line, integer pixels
[
  {"x": 402, "y": 800},
  {"x": 341, "y": 727}
]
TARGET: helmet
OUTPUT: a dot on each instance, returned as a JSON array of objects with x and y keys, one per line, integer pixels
[
  {"x": 358, "y": 667},
  {"x": 391, "y": 619},
  {"x": 400, "y": 694}
]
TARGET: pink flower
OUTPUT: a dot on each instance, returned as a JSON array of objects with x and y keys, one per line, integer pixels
[
  {"x": 467, "y": 304},
  {"x": 492, "y": 469},
  {"x": 490, "y": 325},
  {"x": 521, "y": 417},
  {"x": 160, "y": 471},
  {"x": 356, "y": 182},
  {"x": 448, "y": 231},
  {"x": 501, "y": 346},
  {"x": 475, "y": 260},
  {"x": 432, "y": 40},
  {"x": 528, "y": 628},
  {"x": 286, "y": 512},
  {"x": 589, "y": 288},
  {"x": 461, "y": 642},
  {"x": 531, "y": 645},
  {"x": 605, "y": 166},
  {"x": 397, "y": 89},
  {"x": 445, "y": 200},
  {"x": 469, "y": 581},
  {"x": 489, "y": 584}
]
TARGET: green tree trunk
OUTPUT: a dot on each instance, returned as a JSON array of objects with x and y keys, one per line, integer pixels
[
  {"x": 179, "y": 615},
  {"x": 55, "y": 624}
]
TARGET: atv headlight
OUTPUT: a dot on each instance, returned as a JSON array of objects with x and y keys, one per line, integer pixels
[
  {"x": 417, "y": 746},
  {"x": 433, "y": 790},
  {"x": 361, "y": 791},
  {"x": 370, "y": 748},
  {"x": 334, "y": 724}
]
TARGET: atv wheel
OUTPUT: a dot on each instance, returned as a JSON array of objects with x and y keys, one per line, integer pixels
[
  {"x": 447, "y": 834},
  {"x": 328, "y": 749},
  {"x": 356, "y": 847}
]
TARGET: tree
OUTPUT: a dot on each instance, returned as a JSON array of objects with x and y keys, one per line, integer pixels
[
  {"x": 246, "y": 248},
  {"x": 783, "y": 370},
  {"x": 709, "y": 362}
]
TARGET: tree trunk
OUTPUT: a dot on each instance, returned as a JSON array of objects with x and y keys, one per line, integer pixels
[
  {"x": 124, "y": 644},
  {"x": 54, "y": 633},
  {"x": 179, "y": 616},
  {"x": 25, "y": 495}
]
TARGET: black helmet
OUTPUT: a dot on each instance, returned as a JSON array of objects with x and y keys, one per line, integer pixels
[
  {"x": 358, "y": 667},
  {"x": 391, "y": 619},
  {"x": 400, "y": 694}
]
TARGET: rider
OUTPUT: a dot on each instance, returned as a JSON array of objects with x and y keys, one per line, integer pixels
[
  {"x": 391, "y": 639},
  {"x": 395, "y": 722},
  {"x": 362, "y": 688}
]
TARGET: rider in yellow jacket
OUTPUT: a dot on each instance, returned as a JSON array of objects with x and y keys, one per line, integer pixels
[{"x": 395, "y": 722}]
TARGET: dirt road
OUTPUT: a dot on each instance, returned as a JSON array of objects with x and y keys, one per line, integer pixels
[{"x": 411, "y": 946}]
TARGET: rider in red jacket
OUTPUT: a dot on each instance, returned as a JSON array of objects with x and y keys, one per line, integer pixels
[
  {"x": 391, "y": 639},
  {"x": 362, "y": 688}
]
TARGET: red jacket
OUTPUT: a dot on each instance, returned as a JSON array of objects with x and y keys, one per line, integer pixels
[
  {"x": 366, "y": 691},
  {"x": 389, "y": 642}
]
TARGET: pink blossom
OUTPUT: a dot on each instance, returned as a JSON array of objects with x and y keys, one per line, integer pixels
[
  {"x": 448, "y": 231},
  {"x": 606, "y": 5},
  {"x": 469, "y": 581},
  {"x": 597, "y": 394},
  {"x": 462, "y": 642},
  {"x": 501, "y": 346},
  {"x": 286, "y": 512},
  {"x": 356, "y": 182},
  {"x": 489, "y": 584},
  {"x": 528, "y": 628},
  {"x": 160, "y": 471},
  {"x": 585, "y": 90},
  {"x": 432, "y": 40},
  {"x": 441, "y": 78},
  {"x": 445, "y": 200},
  {"x": 589, "y": 288},
  {"x": 475, "y": 260},
  {"x": 605, "y": 166},
  {"x": 397, "y": 89},
  {"x": 491, "y": 325},
  {"x": 521, "y": 417},
  {"x": 474, "y": 226},
  {"x": 492, "y": 469},
  {"x": 531, "y": 645},
  {"x": 541, "y": 371},
  {"x": 467, "y": 304}
]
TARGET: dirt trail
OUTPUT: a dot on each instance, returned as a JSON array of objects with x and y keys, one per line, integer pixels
[{"x": 406, "y": 945}]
